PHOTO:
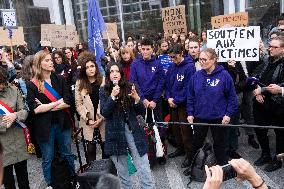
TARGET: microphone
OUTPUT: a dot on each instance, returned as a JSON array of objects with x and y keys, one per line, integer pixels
[{"x": 115, "y": 82}]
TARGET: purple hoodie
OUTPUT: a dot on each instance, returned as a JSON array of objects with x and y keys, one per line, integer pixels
[
  {"x": 149, "y": 76},
  {"x": 177, "y": 80},
  {"x": 212, "y": 96}
]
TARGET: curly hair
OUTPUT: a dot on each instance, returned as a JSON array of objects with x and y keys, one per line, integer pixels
[{"x": 83, "y": 59}]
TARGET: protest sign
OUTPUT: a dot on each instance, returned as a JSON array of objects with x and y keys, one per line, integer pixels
[
  {"x": 59, "y": 35},
  {"x": 17, "y": 37},
  {"x": 174, "y": 20},
  {"x": 234, "y": 20},
  {"x": 111, "y": 28},
  {"x": 235, "y": 43}
]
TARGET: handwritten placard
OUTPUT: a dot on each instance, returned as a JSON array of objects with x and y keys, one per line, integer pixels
[
  {"x": 234, "y": 20},
  {"x": 235, "y": 43},
  {"x": 59, "y": 35},
  {"x": 174, "y": 20},
  {"x": 17, "y": 37},
  {"x": 112, "y": 31}
]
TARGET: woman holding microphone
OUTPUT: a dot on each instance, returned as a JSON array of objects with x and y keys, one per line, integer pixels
[{"x": 120, "y": 104}]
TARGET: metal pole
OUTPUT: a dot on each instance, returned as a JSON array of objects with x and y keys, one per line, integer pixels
[{"x": 121, "y": 20}]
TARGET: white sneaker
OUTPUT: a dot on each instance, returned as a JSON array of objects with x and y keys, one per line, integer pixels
[{"x": 49, "y": 187}]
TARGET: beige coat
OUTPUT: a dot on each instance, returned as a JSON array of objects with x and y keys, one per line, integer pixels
[
  {"x": 13, "y": 138},
  {"x": 85, "y": 109}
]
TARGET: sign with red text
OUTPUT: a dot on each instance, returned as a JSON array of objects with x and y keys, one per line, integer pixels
[
  {"x": 239, "y": 19},
  {"x": 174, "y": 20},
  {"x": 235, "y": 43}
]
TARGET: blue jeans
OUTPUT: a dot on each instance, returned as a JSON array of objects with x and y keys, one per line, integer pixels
[
  {"x": 141, "y": 163},
  {"x": 63, "y": 138}
]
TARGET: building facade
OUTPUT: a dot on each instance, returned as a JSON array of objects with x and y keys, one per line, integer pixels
[{"x": 29, "y": 17}]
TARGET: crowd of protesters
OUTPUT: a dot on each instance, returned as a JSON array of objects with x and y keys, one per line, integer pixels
[{"x": 176, "y": 78}]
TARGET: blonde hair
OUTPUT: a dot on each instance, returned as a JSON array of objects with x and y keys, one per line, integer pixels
[
  {"x": 211, "y": 53},
  {"x": 38, "y": 76},
  {"x": 124, "y": 50}
]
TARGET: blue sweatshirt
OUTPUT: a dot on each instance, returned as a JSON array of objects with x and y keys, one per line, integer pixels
[
  {"x": 211, "y": 96},
  {"x": 177, "y": 80},
  {"x": 149, "y": 76}
]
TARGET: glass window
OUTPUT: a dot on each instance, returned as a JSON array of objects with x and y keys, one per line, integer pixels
[
  {"x": 136, "y": 16},
  {"x": 102, "y": 3},
  {"x": 111, "y": 2},
  {"x": 112, "y": 10},
  {"x": 126, "y": 8},
  {"x": 135, "y": 7},
  {"x": 127, "y": 17},
  {"x": 84, "y": 6},
  {"x": 155, "y": 7},
  {"x": 145, "y": 6},
  {"x": 104, "y": 12}
]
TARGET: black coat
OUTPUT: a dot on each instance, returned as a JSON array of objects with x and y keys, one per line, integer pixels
[
  {"x": 115, "y": 140},
  {"x": 42, "y": 121}
]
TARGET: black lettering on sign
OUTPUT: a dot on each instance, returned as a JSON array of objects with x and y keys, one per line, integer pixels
[
  {"x": 210, "y": 35},
  {"x": 242, "y": 33},
  {"x": 250, "y": 33},
  {"x": 241, "y": 53},
  {"x": 254, "y": 51},
  {"x": 219, "y": 43},
  {"x": 248, "y": 53},
  {"x": 230, "y": 52}
]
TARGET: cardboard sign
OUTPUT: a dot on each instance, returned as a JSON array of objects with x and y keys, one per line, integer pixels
[
  {"x": 59, "y": 35},
  {"x": 17, "y": 37},
  {"x": 235, "y": 43},
  {"x": 234, "y": 20},
  {"x": 174, "y": 20},
  {"x": 112, "y": 31}
]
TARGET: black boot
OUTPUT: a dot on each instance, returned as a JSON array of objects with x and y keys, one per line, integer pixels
[
  {"x": 264, "y": 159},
  {"x": 273, "y": 165},
  {"x": 186, "y": 162},
  {"x": 178, "y": 152},
  {"x": 187, "y": 172},
  {"x": 252, "y": 142},
  {"x": 162, "y": 160}
]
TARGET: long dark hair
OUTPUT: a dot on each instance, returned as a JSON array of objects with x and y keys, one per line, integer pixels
[
  {"x": 85, "y": 57},
  {"x": 125, "y": 87},
  {"x": 62, "y": 55}
]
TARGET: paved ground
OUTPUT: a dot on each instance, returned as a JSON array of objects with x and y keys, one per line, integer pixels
[{"x": 170, "y": 176}]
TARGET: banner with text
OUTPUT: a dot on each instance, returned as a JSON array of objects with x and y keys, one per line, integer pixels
[
  {"x": 234, "y": 20},
  {"x": 235, "y": 43},
  {"x": 59, "y": 35},
  {"x": 174, "y": 20}
]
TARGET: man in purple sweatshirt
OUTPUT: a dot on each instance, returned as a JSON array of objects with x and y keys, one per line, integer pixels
[
  {"x": 177, "y": 81},
  {"x": 146, "y": 72}
]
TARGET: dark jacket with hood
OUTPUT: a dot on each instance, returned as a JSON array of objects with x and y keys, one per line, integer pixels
[
  {"x": 212, "y": 96},
  {"x": 177, "y": 80},
  {"x": 148, "y": 76},
  {"x": 115, "y": 140}
]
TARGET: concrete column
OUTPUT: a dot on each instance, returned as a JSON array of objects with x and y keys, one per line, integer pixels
[
  {"x": 56, "y": 12},
  {"x": 191, "y": 14},
  {"x": 240, "y": 5},
  {"x": 68, "y": 10},
  {"x": 229, "y": 6},
  {"x": 198, "y": 19}
]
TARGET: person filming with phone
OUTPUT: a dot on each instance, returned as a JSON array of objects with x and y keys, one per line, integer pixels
[{"x": 237, "y": 168}]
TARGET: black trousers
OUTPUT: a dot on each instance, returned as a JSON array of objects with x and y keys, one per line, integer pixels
[
  {"x": 268, "y": 117},
  {"x": 21, "y": 173},
  {"x": 219, "y": 135}
]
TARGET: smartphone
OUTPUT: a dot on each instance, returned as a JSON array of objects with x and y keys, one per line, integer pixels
[{"x": 228, "y": 172}]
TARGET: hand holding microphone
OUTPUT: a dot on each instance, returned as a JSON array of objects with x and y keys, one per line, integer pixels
[{"x": 115, "y": 89}]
